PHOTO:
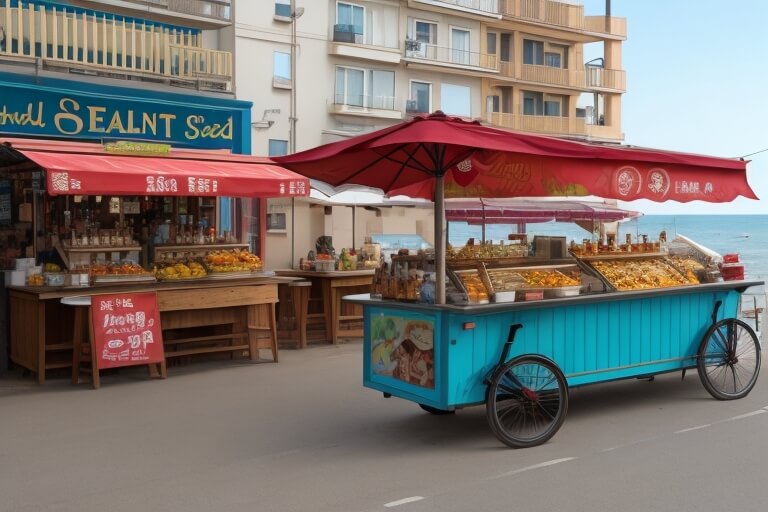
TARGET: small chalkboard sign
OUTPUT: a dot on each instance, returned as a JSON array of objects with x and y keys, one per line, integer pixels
[{"x": 126, "y": 330}]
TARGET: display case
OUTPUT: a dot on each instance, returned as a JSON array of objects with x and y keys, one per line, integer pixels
[{"x": 629, "y": 272}]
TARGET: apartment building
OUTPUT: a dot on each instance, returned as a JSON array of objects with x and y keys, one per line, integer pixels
[
  {"x": 337, "y": 68},
  {"x": 535, "y": 65}
]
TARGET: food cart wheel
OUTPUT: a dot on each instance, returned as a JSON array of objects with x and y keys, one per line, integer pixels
[
  {"x": 729, "y": 359},
  {"x": 526, "y": 401},
  {"x": 435, "y": 410}
]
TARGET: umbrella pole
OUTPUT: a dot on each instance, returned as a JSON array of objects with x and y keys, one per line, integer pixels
[{"x": 439, "y": 241}]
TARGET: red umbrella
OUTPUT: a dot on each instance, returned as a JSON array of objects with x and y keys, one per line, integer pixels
[{"x": 435, "y": 156}]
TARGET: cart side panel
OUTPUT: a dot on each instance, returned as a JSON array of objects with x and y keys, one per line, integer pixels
[
  {"x": 381, "y": 356},
  {"x": 591, "y": 343}
]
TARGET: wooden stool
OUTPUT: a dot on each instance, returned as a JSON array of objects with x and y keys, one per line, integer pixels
[
  {"x": 300, "y": 299},
  {"x": 82, "y": 346}
]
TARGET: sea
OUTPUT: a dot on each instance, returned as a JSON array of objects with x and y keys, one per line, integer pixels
[{"x": 745, "y": 235}]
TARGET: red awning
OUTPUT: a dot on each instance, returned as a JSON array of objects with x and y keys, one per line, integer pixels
[{"x": 86, "y": 169}]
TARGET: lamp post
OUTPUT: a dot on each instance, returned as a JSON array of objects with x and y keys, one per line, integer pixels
[{"x": 295, "y": 15}]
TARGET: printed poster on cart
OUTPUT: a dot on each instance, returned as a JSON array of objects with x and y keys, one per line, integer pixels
[
  {"x": 402, "y": 347},
  {"x": 126, "y": 329}
]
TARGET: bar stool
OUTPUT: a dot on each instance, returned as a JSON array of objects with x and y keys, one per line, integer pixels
[
  {"x": 300, "y": 299},
  {"x": 82, "y": 343}
]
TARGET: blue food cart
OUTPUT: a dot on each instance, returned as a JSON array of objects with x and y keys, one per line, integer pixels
[{"x": 521, "y": 358}]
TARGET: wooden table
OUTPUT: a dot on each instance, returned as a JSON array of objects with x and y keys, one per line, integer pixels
[
  {"x": 329, "y": 288},
  {"x": 239, "y": 310}
]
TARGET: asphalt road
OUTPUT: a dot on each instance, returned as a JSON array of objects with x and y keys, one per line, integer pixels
[{"x": 304, "y": 435}]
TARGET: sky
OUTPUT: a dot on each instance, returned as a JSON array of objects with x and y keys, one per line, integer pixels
[{"x": 697, "y": 81}]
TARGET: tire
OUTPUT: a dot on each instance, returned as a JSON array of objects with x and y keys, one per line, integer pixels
[
  {"x": 526, "y": 401},
  {"x": 435, "y": 410},
  {"x": 729, "y": 359}
]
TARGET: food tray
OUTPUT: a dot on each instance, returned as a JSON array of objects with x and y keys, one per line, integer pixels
[
  {"x": 230, "y": 275},
  {"x": 123, "y": 278}
]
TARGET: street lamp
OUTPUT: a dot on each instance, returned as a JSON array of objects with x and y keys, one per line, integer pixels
[{"x": 296, "y": 13}]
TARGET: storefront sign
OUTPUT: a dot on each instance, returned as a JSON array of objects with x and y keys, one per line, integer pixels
[
  {"x": 126, "y": 329},
  {"x": 126, "y": 147},
  {"x": 68, "y": 109}
]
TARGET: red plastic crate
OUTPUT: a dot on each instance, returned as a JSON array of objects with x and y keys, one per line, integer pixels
[{"x": 731, "y": 258}]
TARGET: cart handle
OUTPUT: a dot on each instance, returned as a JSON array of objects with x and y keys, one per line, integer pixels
[
  {"x": 508, "y": 345},
  {"x": 715, "y": 310}
]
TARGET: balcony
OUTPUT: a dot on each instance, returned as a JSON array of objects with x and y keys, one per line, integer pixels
[
  {"x": 197, "y": 13},
  {"x": 481, "y": 7},
  {"x": 81, "y": 42},
  {"x": 614, "y": 80},
  {"x": 349, "y": 41},
  {"x": 424, "y": 53},
  {"x": 365, "y": 106},
  {"x": 561, "y": 14},
  {"x": 554, "y": 125},
  {"x": 347, "y": 34},
  {"x": 552, "y": 76}
]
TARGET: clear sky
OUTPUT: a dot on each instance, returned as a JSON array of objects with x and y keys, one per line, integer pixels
[{"x": 697, "y": 81}]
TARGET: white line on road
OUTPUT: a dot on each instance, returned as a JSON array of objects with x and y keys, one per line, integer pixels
[
  {"x": 403, "y": 501},
  {"x": 535, "y": 466},
  {"x": 742, "y": 416},
  {"x": 693, "y": 428}
]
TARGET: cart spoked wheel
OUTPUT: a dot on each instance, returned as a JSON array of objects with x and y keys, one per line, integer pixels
[
  {"x": 729, "y": 359},
  {"x": 435, "y": 410},
  {"x": 526, "y": 401}
]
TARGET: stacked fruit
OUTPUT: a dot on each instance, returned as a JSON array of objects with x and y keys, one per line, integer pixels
[
  {"x": 232, "y": 261},
  {"x": 179, "y": 269}
]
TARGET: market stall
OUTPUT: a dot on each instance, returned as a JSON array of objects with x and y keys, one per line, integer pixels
[
  {"x": 104, "y": 218},
  {"x": 520, "y": 355}
]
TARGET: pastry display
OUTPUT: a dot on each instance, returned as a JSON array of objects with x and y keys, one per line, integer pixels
[
  {"x": 508, "y": 279},
  {"x": 112, "y": 269},
  {"x": 232, "y": 261},
  {"x": 643, "y": 274},
  {"x": 476, "y": 291}
]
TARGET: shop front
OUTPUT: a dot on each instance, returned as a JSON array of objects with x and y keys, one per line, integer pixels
[{"x": 112, "y": 189}]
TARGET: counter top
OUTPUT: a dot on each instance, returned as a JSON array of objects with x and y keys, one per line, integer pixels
[
  {"x": 333, "y": 273},
  {"x": 57, "y": 292},
  {"x": 588, "y": 298}
]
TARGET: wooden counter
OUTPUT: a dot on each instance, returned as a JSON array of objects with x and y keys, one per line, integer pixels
[
  {"x": 327, "y": 290},
  {"x": 240, "y": 311}
]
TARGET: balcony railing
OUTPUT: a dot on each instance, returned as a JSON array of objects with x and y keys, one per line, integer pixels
[
  {"x": 449, "y": 56},
  {"x": 214, "y": 9},
  {"x": 489, "y": 6},
  {"x": 347, "y": 34},
  {"x": 79, "y": 40},
  {"x": 538, "y": 124},
  {"x": 552, "y": 76},
  {"x": 592, "y": 77},
  {"x": 365, "y": 101},
  {"x": 602, "y": 78},
  {"x": 552, "y": 12}
]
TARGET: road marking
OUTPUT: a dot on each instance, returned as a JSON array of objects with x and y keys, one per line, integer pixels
[
  {"x": 766, "y": 407},
  {"x": 403, "y": 501},
  {"x": 529, "y": 468},
  {"x": 693, "y": 428},
  {"x": 742, "y": 416}
]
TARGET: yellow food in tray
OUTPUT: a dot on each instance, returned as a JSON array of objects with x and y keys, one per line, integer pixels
[
  {"x": 476, "y": 291},
  {"x": 189, "y": 270},
  {"x": 642, "y": 274},
  {"x": 232, "y": 261},
  {"x": 548, "y": 279}
]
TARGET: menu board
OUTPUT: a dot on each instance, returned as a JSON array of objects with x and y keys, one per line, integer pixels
[{"x": 126, "y": 329}]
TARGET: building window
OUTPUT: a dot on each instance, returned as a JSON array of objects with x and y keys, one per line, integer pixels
[
  {"x": 421, "y": 97},
  {"x": 281, "y": 72},
  {"x": 425, "y": 31},
  {"x": 371, "y": 88},
  {"x": 552, "y": 108},
  {"x": 282, "y": 9},
  {"x": 552, "y": 59},
  {"x": 351, "y": 15},
  {"x": 506, "y": 47},
  {"x": 533, "y": 103},
  {"x": 278, "y": 147},
  {"x": 491, "y": 43},
  {"x": 459, "y": 46},
  {"x": 533, "y": 52},
  {"x": 455, "y": 99},
  {"x": 493, "y": 103}
]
